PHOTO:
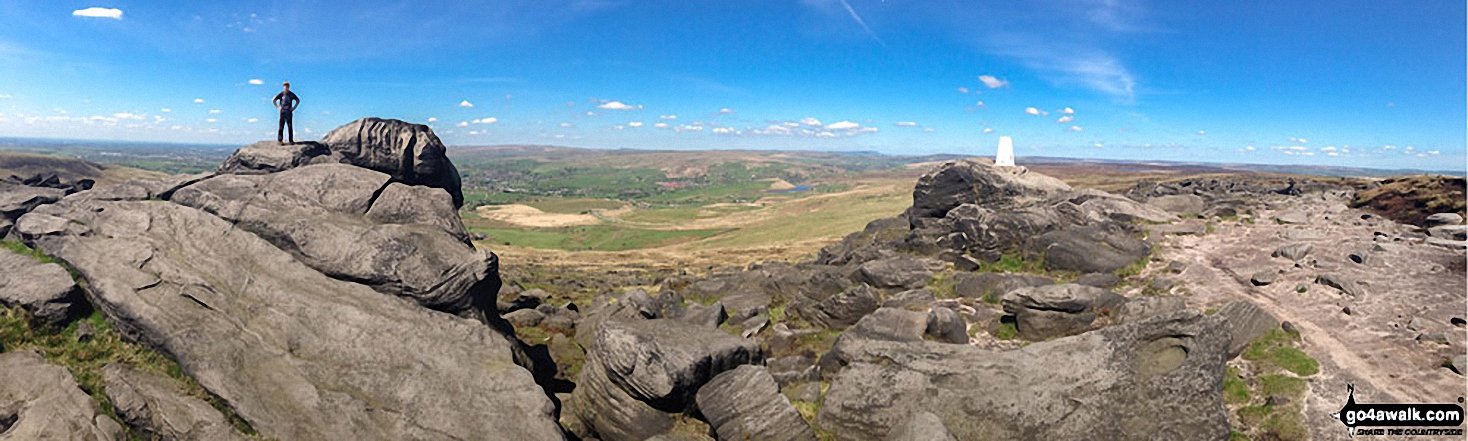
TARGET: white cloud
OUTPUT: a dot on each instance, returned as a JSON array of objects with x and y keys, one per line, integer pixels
[
  {"x": 165, "y": 110},
  {"x": 256, "y": 81},
  {"x": 963, "y": 90},
  {"x": 433, "y": 120},
  {"x": 1298, "y": 148},
  {"x": 825, "y": 134},
  {"x": 1098, "y": 145},
  {"x": 126, "y": 115},
  {"x": 619, "y": 127},
  {"x": 1388, "y": 147},
  {"x": 617, "y": 105},
  {"x": 988, "y": 130},
  {"x": 991, "y": 82},
  {"x": 198, "y": 101},
  {"x": 1068, "y": 111},
  {"x": 668, "y": 117},
  {"x": 1433, "y": 152},
  {"x": 928, "y": 130},
  {"x": 1036, "y": 112},
  {"x": 689, "y": 127},
  {"x": 211, "y": 120},
  {"x": 1329, "y": 148},
  {"x": 1076, "y": 129},
  {"x": 842, "y": 125},
  {"x": 905, "y": 124},
  {"x": 1332, "y": 154},
  {"x": 485, "y": 120},
  {"x": 5, "y": 96},
  {"x": 634, "y": 124},
  {"x": 724, "y": 130},
  {"x": 727, "y": 111},
  {"x": 465, "y": 103},
  {"x": 565, "y": 125},
  {"x": 1249, "y": 148},
  {"x": 590, "y": 113},
  {"x": 661, "y": 125},
  {"x": 1065, "y": 119},
  {"x": 1202, "y": 132},
  {"x": 95, "y": 12},
  {"x": 463, "y": 124},
  {"x": 253, "y": 120},
  {"x": 810, "y": 121},
  {"x": 979, "y": 104},
  {"x": 214, "y": 111}
]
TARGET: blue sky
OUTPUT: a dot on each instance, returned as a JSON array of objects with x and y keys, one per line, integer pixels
[{"x": 1355, "y": 83}]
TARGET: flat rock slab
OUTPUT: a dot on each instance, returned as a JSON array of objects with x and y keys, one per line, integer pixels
[
  {"x": 158, "y": 407},
  {"x": 296, "y": 353},
  {"x": 44, "y": 289},
  {"x": 1156, "y": 379},
  {"x": 42, "y": 401}
]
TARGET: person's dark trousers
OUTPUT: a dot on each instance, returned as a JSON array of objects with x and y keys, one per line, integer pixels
[{"x": 281, "y": 130}]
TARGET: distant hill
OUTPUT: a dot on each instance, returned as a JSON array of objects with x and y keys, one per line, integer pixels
[{"x": 68, "y": 169}]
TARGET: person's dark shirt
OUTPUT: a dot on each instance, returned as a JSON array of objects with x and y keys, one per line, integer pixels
[{"x": 287, "y": 101}]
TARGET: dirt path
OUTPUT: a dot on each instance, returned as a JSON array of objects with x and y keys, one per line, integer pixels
[{"x": 1372, "y": 346}]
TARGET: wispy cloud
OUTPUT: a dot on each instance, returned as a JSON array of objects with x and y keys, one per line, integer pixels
[
  {"x": 256, "y": 81},
  {"x": 1036, "y": 112},
  {"x": 849, "y": 10},
  {"x": 198, "y": 101},
  {"x": 842, "y": 125},
  {"x": 668, "y": 117},
  {"x": 634, "y": 124},
  {"x": 485, "y": 120},
  {"x": 466, "y": 104},
  {"x": 905, "y": 124},
  {"x": 991, "y": 82},
  {"x": 1065, "y": 119},
  {"x": 96, "y": 12}
]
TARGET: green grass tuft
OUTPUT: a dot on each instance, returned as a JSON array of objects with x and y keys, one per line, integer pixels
[
  {"x": 1006, "y": 331},
  {"x": 1280, "y": 385},
  {"x": 1235, "y": 389}
]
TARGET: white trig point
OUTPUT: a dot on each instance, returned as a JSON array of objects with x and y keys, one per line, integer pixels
[{"x": 1005, "y": 157}]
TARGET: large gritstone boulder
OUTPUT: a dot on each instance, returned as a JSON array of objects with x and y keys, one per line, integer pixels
[
  {"x": 410, "y": 153},
  {"x": 1042, "y": 312},
  {"x": 745, "y": 403},
  {"x": 355, "y": 224},
  {"x": 1156, "y": 379},
  {"x": 638, "y": 372},
  {"x": 40, "y": 400},
  {"x": 44, "y": 289},
  {"x": 961, "y": 182},
  {"x": 298, "y": 354}
]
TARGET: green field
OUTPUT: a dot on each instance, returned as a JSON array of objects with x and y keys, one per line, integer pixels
[{"x": 591, "y": 237}]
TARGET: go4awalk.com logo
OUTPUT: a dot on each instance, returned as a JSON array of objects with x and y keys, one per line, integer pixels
[{"x": 1399, "y": 419}]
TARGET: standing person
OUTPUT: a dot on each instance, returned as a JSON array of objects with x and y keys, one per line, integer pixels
[{"x": 286, "y": 101}]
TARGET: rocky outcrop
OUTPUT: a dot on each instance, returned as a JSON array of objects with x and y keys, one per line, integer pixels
[
  {"x": 995, "y": 285},
  {"x": 355, "y": 224},
  {"x": 1156, "y": 379},
  {"x": 409, "y": 153},
  {"x": 744, "y": 403},
  {"x": 1179, "y": 203},
  {"x": 1043, "y": 312},
  {"x": 39, "y": 400},
  {"x": 43, "y": 289},
  {"x": 157, "y": 408},
  {"x": 921, "y": 426},
  {"x": 296, "y": 353},
  {"x": 16, "y": 200},
  {"x": 841, "y": 310},
  {"x": 898, "y": 272},
  {"x": 638, "y": 372},
  {"x": 961, "y": 182},
  {"x": 1246, "y": 322},
  {"x": 1099, "y": 248}
]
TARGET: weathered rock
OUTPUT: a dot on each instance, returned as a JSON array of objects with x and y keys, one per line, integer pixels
[
  {"x": 710, "y": 316},
  {"x": 1099, "y": 280},
  {"x": 1437, "y": 219},
  {"x": 912, "y": 298},
  {"x": 524, "y": 317},
  {"x": 1294, "y": 251},
  {"x": 1156, "y": 379},
  {"x": 1342, "y": 282},
  {"x": 920, "y": 426},
  {"x": 995, "y": 285},
  {"x": 793, "y": 369},
  {"x": 946, "y": 326},
  {"x": 1433, "y": 337},
  {"x": 326, "y": 359},
  {"x": 1459, "y": 364},
  {"x": 39, "y": 400},
  {"x": 323, "y": 215},
  {"x": 745, "y": 403},
  {"x": 158, "y": 408},
  {"x": 1292, "y": 217},
  {"x": 1246, "y": 322},
  {"x": 1100, "y": 248},
  {"x": 16, "y": 200},
  {"x": 1178, "y": 204},
  {"x": 886, "y": 324},
  {"x": 44, "y": 289},
  {"x": 1449, "y": 232},
  {"x": 411, "y": 153},
  {"x": 271, "y": 156},
  {"x": 1100, "y": 205},
  {"x": 1049, "y": 311},
  {"x": 842, "y": 310},
  {"x": 992, "y": 232},
  {"x": 899, "y": 272},
  {"x": 1264, "y": 277},
  {"x": 959, "y": 182},
  {"x": 1141, "y": 308}
]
